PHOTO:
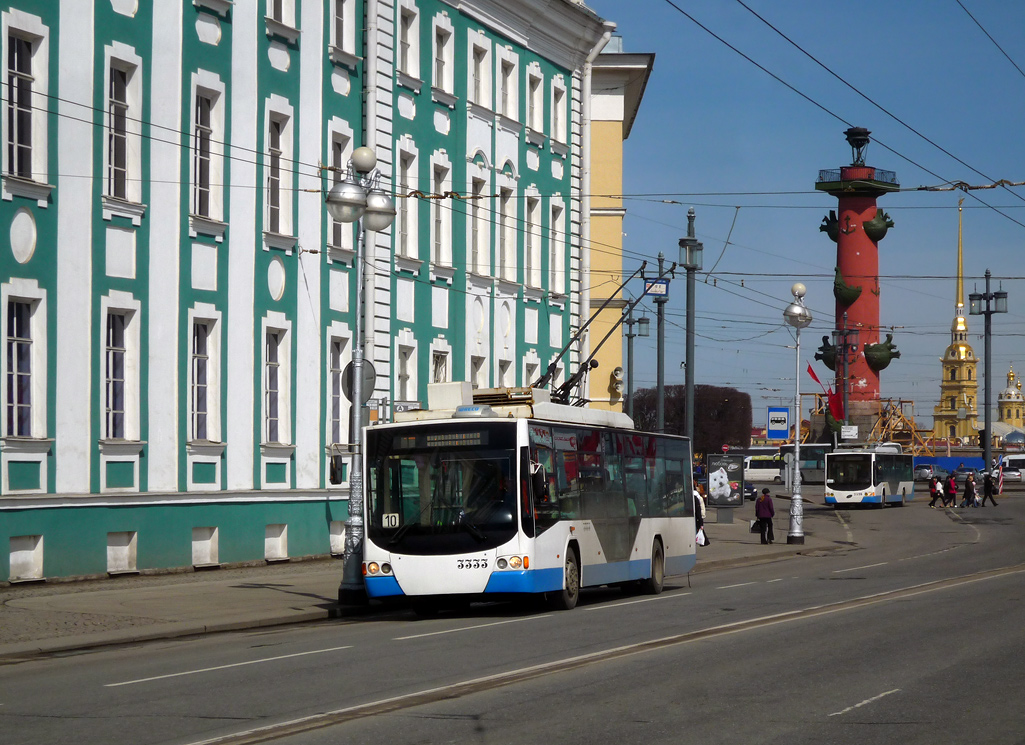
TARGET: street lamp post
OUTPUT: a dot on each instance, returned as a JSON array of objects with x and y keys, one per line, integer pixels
[
  {"x": 999, "y": 305},
  {"x": 690, "y": 258},
  {"x": 798, "y": 316},
  {"x": 643, "y": 325},
  {"x": 358, "y": 198}
]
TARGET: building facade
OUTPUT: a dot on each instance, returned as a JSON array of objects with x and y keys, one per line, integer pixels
[{"x": 177, "y": 301}]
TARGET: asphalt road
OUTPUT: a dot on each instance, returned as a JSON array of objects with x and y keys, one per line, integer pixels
[{"x": 914, "y": 634}]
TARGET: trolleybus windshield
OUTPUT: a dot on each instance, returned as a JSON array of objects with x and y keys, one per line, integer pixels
[
  {"x": 849, "y": 471},
  {"x": 441, "y": 489}
]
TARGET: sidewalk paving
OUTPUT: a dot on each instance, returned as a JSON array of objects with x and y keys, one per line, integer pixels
[{"x": 58, "y": 617}]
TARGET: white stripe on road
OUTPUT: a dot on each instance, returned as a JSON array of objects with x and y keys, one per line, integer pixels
[
  {"x": 854, "y": 569},
  {"x": 224, "y": 667},
  {"x": 469, "y": 628},
  {"x": 866, "y": 701},
  {"x": 730, "y": 587},
  {"x": 668, "y": 596}
]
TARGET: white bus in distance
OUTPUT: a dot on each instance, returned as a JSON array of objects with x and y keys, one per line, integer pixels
[
  {"x": 764, "y": 468},
  {"x": 877, "y": 474},
  {"x": 499, "y": 492}
]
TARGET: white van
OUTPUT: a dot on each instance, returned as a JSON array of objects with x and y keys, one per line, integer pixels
[{"x": 765, "y": 468}]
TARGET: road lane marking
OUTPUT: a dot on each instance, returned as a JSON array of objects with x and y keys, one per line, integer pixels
[
  {"x": 277, "y": 730},
  {"x": 778, "y": 579},
  {"x": 620, "y": 604},
  {"x": 854, "y": 569},
  {"x": 866, "y": 701},
  {"x": 225, "y": 667},
  {"x": 740, "y": 584},
  {"x": 469, "y": 628}
]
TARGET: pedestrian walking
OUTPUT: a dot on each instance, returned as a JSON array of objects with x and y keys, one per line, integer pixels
[
  {"x": 950, "y": 492},
  {"x": 699, "y": 510},
  {"x": 968, "y": 495},
  {"x": 764, "y": 512},
  {"x": 935, "y": 491},
  {"x": 988, "y": 487}
]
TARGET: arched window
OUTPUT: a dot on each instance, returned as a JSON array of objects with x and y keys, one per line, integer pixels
[
  {"x": 953, "y": 373},
  {"x": 969, "y": 373},
  {"x": 953, "y": 431}
]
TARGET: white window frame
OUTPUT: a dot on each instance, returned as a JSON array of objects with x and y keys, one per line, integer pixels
[
  {"x": 441, "y": 361},
  {"x": 557, "y": 236},
  {"x": 343, "y": 25},
  {"x": 279, "y": 111},
  {"x": 32, "y": 29},
  {"x": 407, "y": 244},
  {"x": 559, "y": 113},
  {"x": 531, "y": 367},
  {"x": 478, "y": 71},
  {"x": 406, "y": 363},
  {"x": 507, "y": 76},
  {"x": 535, "y": 97},
  {"x": 532, "y": 238},
  {"x": 281, "y": 327},
  {"x": 282, "y": 11},
  {"x": 122, "y": 303},
  {"x": 209, "y": 316},
  {"x": 441, "y": 210},
  {"x": 29, "y": 292},
  {"x": 505, "y": 245},
  {"x": 337, "y": 408},
  {"x": 209, "y": 85},
  {"x": 407, "y": 38},
  {"x": 442, "y": 54},
  {"x": 340, "y": 145},
  {"x": 122, "y": 57},
  {"x": 478, "y": 373}
]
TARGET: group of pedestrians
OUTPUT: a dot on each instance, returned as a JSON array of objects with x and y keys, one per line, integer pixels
[{"x": 946, "y": 492}]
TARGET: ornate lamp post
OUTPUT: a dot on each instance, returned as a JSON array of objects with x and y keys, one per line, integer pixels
[
  {"x": 798, "y": 316},
  {"x": 690, "y": 259},
  {"x": 358, "y": 198},
  {"x": 999, "y": 305}
]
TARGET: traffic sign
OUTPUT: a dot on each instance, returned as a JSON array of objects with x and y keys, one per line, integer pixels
[
  {"x": 726, "y": 448},
  {"x": 778, "y": 423},
  {"x": 658, "y": 287},
  {"x": 369, "y": 379}
]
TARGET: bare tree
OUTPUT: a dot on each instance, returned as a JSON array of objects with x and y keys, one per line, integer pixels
[{"x": 722, "y": 416}]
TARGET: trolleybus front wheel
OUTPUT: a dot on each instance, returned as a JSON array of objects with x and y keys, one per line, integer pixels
[{"x": 566, "y": 598}]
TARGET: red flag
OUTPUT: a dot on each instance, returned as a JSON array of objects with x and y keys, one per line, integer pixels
[
  {"x": 836, "y": 405},
  {"x": 816, "y": 378}
]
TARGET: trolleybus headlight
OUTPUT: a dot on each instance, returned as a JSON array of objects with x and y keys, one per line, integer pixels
[
  {"x": 502, "y": 563},
  {"x": 515, "y": 562},
  {"x": 386, "y": 568},
  {"x": 373, "y": 568}
]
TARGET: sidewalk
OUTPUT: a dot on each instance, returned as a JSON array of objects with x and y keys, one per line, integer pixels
[{"x": 56, "y": 617}]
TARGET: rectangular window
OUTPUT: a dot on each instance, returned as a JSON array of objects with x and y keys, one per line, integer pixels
[
  {"x": 200, "y": 379},
  {"x": 507, "y": 80},
  {"x": 534, "y": 104},
  {"x": 402, "y": 388},
  {"x": 117, "y": 135},
  {"x": 441, "y": 217},
  {"x": 506, "y": 242},
  {"x": 274, "y": 144},
  {"x": 115, "y": 389},
  {"x": 272, "y": 386},
  {"x": 19, "y": 369},
  {"x": 277, "y": 10},
  {"x": 480, "y": 57},
  {"x": 439, "y": 367},
  {"x": 558, "y": 114},
  {"x": 335, "y": 375},
  {"x": 339, "y": 24},
  {"x": 478, "y": 229},
  {"x": 478, "y": 372},
  {"x": 19, "y": 107},
  {"x": 406, "y": 31},
  {"x": 406, "y": 178},
  {"x": 532, "y": 247},
  {"x": 556, "y": 250},
  {"x": 441, "y": 40},
  {"x": 203, "y": 132},
  {"x": 338, "y": 163}
]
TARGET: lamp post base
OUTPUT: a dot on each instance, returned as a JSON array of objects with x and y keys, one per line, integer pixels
[{"x": 795, "y": 539}]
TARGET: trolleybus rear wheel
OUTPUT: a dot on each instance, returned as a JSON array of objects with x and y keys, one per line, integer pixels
[{"x": 656, "y": 582}]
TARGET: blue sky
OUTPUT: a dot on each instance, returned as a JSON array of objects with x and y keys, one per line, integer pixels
[{"x": 717, "y": 133}]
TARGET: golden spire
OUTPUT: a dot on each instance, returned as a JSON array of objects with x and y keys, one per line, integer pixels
[{"x": 960, "y": 273}]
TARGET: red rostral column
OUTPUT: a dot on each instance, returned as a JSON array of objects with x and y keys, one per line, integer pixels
[{"x": 857, "y": 227}]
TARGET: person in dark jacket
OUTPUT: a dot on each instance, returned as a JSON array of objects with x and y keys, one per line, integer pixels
[
  {"x": 988, "y": 487},
  {"x": 968, "y": 495},
  {"x": 950, "y": 492},
  {"x": 764, "y": 512},
  {"x": 935, "y": 491}
]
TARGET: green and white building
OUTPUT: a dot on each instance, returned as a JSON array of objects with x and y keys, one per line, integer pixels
[{"x": 176, "y": 299}]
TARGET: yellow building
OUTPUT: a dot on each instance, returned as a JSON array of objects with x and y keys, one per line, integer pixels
[
  {"x": 617, "y": 87},
  {"x": 1010, "y": 408},
  {"x": 957, "y": 413}
]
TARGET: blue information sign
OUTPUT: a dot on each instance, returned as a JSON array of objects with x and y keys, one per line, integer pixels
[{"x": 778, "y": 427}]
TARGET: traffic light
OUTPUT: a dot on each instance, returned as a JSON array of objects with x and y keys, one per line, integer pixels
[{"x": 616, "y": 382}]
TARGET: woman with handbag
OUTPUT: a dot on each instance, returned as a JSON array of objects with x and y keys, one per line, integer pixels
[{"x": 764, "y": 512}]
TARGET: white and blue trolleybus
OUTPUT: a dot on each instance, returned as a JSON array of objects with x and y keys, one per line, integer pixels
[
  {"x": 515, "y": 495},
  {"x": 871, "y": 474}
]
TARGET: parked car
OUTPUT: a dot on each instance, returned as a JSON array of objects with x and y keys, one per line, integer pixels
[
  {"x": 1010, "y": 474},
  {"x": 926, "y": 471},
  {"x": 961, "y": 475}
]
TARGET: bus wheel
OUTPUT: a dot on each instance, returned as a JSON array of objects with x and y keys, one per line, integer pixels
[
  {"x": 566, "y": 599},
  {"x": 654, "y": 584}
]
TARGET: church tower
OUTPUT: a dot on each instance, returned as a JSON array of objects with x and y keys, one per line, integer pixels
[
  {"x": 957, "y": 412},
  {"x": 1010, "y": 404}
]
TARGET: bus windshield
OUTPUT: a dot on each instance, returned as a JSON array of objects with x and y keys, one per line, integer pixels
[
  {"x": 440, "y": 489},
  {"x": 849, "y": 471}
]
